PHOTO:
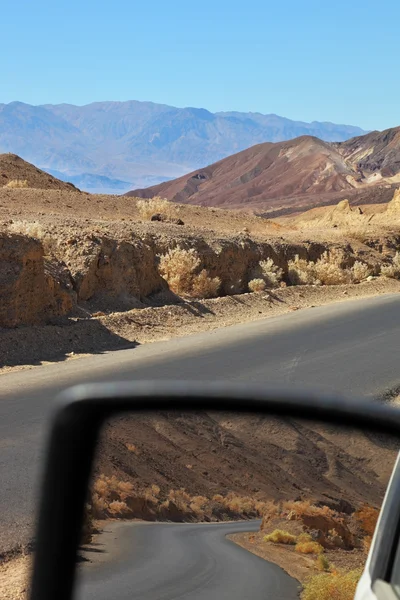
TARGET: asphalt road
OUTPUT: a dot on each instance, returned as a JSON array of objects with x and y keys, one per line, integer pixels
[
  {"x": 191, "y": 562},
  {"x": 351, "y": 347}
]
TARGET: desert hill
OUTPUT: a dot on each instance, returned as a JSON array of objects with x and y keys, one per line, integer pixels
[
  {"x": 293, "y": 175},
  {"x": 13, "y": 168}
]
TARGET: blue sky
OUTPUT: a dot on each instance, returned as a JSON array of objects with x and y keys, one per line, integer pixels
[{"x": 335, "y": 61}]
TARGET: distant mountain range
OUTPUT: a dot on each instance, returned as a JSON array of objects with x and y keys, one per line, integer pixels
[
  {"x": 302, "y": 173},
  {"x": 111, "y": 147}
]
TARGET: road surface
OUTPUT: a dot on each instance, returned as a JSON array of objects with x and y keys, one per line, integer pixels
[
  {"x": 351, "y": 347},
  {"x": 191, "y": 562}
]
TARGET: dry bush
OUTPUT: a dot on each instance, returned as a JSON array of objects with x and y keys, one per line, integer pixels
[
  {"x": 367, "y": 518},
  {"x": 269, "y": 272},
  {"x": 332, "y": 586},
  {"x": 204, "y": 286},
  {"x": 109, "y": 495},
  {"x": 301, "y": 271},
  {"x": 17, "y": 183},
  {"x": 155, "y": 490},
  {"x": 328, "y": 270},
  {"x": 198, "y": 504},
  {"x": 322, "y": 563},
  {"x": 392, "y": 269},
  {"x": 156, "y": 205},
  {"x": 117, "y": 507},
  {"x": 31, "y": 229},
  {"x": 218, "y": 498},
  {"x": 304, "y": 537},
  {"x": 309, "y": 548},
  {"x": 305, "y": 507},
  {"x": 360, "y": 271},
  {"x": 280, "y": 537},
  {"x": 257, "y": 285},
  {"x": 179, "y": 266},
  {"x": 270, "y": 509},
  {"x": 180, "y": 498},
  {"x": 132, "y": 448}
]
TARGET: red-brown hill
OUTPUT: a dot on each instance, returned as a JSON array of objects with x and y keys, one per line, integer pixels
[{"x": 293, "y": 175}]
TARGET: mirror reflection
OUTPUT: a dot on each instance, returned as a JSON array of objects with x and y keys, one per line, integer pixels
[{"x": 209, "y": 505}]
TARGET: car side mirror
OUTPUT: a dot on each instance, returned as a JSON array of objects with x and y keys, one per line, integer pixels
[{"x": 84, "y": 411}]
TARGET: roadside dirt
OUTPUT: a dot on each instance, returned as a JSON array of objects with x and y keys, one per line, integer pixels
[
  {"x": 299, "y": 566},
  {"x": 73, "y": 337}
]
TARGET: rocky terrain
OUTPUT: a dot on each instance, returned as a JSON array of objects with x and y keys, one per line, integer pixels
[
  {"x": 87, "y": 272},
  {"x": 295, "y": 175}
]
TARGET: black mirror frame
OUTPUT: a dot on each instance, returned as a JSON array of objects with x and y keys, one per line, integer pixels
[{"x": 79, "y": 415}]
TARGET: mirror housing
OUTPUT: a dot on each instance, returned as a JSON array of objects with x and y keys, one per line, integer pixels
[{"x": 80, "y": 414}]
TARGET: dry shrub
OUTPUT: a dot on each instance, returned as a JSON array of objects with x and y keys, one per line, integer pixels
[
  {"x": 179, "y": 266},
  {"x": 304, "y": 537},
  {"x": 367, "y": 517},
  {"x": 109, "y": 495},
  {"x": 322, "y": 563},
  {"x": 392, "y": 269},
  {"x": 332, "y": 586},
  {"x": 270, "y": 509},
  {"x": 116, "y": 507},
  {"x": 204, "y": 286},
  {"x": 301, "y": 271},
  {"x": 17, "y": 183},
  {"x": 198, "y": 503},
  {"x": 180, "y": 498},
  {"x": 309, "y": 548},
  {"x": 305, "y": 507},
  {"x": 257, "y": 285},
  {"x": 156, "y": 205},
  {"x": 218, "y": 498},
  {"x": 327, "y": 270},
  {"x": 31, "y": 229},
  {"x": 280, "y": 537},
  {"x": 269, "y": 272},
  {"x": 155, "y": 490},
  {"x": 132, "y": 448},
  {"x": 360, "y": 271}
]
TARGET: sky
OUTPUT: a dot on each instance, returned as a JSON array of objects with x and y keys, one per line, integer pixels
[{"x": 306, "y": 60}]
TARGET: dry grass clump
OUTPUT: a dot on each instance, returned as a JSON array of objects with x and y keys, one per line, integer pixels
[
  {"x": 332, "y": 586},
  {"x": 204, "y": 286},
  {"x": 109, "y": 496},
  {"x": 322, "y": 563},
  {"x": 180, "y": 269},
  {"x": 29, "y": 228},
  {"x": 281, "y": 537},
  {"x": 132, "y": 448},
  {"x": 156, "y": 205},
  {"x": 257, "y": 285},
  {"x": 360, "y": 271},
  {"x": 367, "y": 517},
  {"x": 305, "y": 507},
  {"x": 327, "y": 270},
  {"x": 301, "y": 271},
  {"x": 392, "y": 269},
  {"x": 265, "y": 271},
  {"x": 17, "y": 183},
  {"x": 309, "y": 548},
  {"x": 180, "y": 498}
]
